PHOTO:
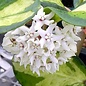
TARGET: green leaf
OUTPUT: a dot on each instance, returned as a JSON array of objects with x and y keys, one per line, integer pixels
[
  {"x": 16, "y": 13},
  {"x": 72, "y": 73},
  {"x": 46, "y": 4},
  {"x": 58, "y": 2},
  {"x": 82, "y": 7},
  {"x": 5, "y": 3},
  {"x": 52, "y": 4},
  {"x": 77, "y": 3},
  {"x": 73, "y": 17}
]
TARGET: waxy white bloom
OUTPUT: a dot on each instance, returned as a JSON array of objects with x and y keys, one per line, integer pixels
[
  {"x": 10, "y": 44},
  {"x": 43, "y": 46},
  {"x": 71, "y": 30},
  {"x": 33, "y": 47},
  {"x": 48, "y": 38},
  {"x": 29, "y": 33},
  {"x": 41, "y": 18}
]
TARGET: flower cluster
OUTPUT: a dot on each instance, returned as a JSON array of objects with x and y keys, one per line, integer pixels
[{"x": 44, "y": 46}]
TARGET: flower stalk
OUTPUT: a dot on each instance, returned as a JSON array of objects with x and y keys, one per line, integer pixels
[{"x": 82, "y": 35}]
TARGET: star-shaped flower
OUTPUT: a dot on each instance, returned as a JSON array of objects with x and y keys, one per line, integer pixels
[
  {"x": 48, "y": 38},
  {"x": 41, "y": 18}
]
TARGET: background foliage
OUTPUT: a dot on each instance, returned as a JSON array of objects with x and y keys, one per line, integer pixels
[
  {"x": 72, "y": 73},
  {"x": 14, "y": 13}
]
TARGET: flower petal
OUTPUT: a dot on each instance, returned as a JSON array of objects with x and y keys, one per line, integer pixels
[
  {"x": 73, "y": 47},
  {"x": 49, "y": 16},
  {"x": 65, "y": 46},
  {"x": 42, "y": 42}
]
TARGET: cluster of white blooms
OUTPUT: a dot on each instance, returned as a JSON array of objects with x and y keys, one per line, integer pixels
[{"x": 44, "y": 46}]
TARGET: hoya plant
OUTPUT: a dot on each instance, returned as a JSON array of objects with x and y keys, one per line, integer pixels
[{"x": 44, "y": 53}]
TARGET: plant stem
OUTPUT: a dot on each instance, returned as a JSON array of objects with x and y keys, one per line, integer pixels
[{"x": 82, "y": 35}]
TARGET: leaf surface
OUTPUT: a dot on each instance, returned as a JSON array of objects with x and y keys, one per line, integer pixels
[
  {"x": 16, "y": 13},
  {"x": 58, "y": 2},
  {"x": 77, "y": 3},
  {"x": 73, "y": 17},
  {"x": 73, "y": 73},
  {"x": 82, "y": 7}
]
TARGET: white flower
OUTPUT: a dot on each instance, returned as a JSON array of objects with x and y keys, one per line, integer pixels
[
  {"x": 48, "y": 38},
  {"x": 19, "y": 31},
  {"x": 22, "y": 57},
  {"x": 9, "y": 43},
  {"x": 65, "y": 45},
  {"x": 42, "y": 48},
  {"x": 62, "y": 60},
  {"x": 35, "y": 62},
  {"x": 42, "y": 19},
  {"x": 34, "y": 46},
  {"x": 50, "y": 55},
  {"x": 71, "y": 30},
  {"x": 64, "y": 56},
  {"x": 52, "y": 67},
  {"x": 73, "y": 47},
  {"x": 67, "y": 54},
  {"x": 74, "y": 36},
  {"x": 57, "y": 44},
  {"x": 35, "y": 70},
  {"x": 29, "y": 33},
  {"x": 77, "y": 29}
]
